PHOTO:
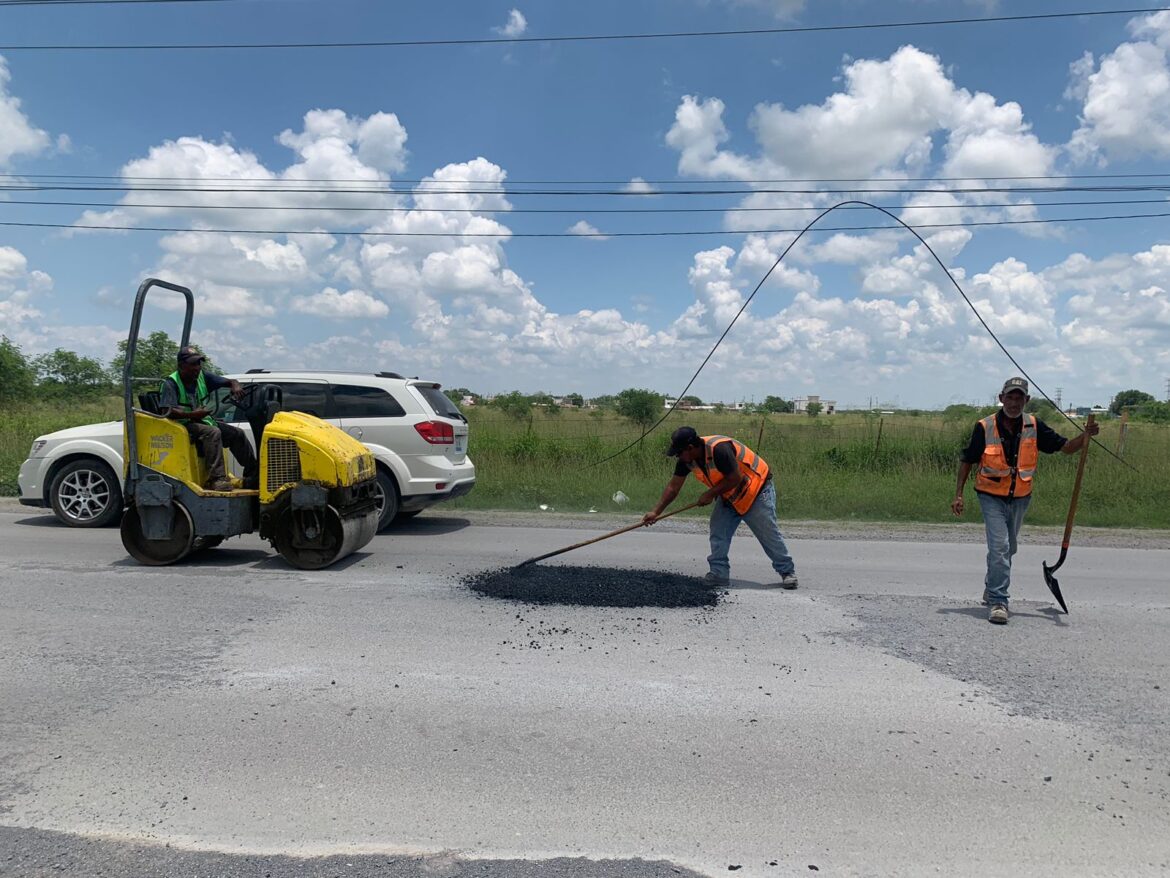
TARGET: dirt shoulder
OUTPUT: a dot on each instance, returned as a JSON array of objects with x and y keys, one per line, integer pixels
[
  {"x": 909, "y": 532},
  {"x": 906, "y": 532}
]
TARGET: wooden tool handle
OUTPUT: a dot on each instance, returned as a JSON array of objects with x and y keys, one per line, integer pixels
[
  {"x": 1072, "y": 507},
  {"x": 604, "y": 536}
]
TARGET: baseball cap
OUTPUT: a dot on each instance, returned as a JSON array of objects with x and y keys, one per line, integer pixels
[
  {"x": 190, "y": 355},
  {"x": 1015, "y": 384},
  {"x": 680, "y": 440}
]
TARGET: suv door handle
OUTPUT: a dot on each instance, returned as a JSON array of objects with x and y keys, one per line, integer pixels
[{"x": 355, "y": 432}]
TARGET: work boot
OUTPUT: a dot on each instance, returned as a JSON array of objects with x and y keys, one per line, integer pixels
[
  {"x": 219, "y": 485},
  {"x": 788, "y": 581},
  {"x": 998, "y": 614},
  {"x": 716, "y": 581}
]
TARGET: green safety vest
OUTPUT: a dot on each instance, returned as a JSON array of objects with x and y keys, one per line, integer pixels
[{"x": 202, "y": 396}]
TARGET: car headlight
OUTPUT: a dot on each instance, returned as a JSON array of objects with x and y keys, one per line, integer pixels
[{"x": 37, "y": 446}]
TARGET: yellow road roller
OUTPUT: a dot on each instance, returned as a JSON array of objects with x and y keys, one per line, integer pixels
[{"x": 316, "y": 497}]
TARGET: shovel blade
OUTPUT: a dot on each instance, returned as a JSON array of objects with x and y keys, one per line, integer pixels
[{"x": 1054, "y": 586}]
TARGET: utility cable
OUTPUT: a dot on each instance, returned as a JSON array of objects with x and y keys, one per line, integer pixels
[
  {"x": 780, "y": 259},
  {"x": 387, "y": 188},
  {"x": 592, "y": 38},
  {"x": 341, "y": 233},
  {"x": 563, "y": 210},
  {"x": 126, "y": 177}
]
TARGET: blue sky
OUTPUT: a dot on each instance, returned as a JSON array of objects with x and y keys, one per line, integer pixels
[{"x": 851, "y": 316}]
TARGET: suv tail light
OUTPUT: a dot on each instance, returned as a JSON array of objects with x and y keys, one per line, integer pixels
[{"x": 436, "y": 432}]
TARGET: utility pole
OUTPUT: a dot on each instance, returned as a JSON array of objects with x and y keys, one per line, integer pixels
[
  {"x": 1168, "y": 390},
  {"x": 1059, "y": 391}
]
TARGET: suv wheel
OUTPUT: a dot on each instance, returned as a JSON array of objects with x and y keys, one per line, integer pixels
[
  {"x": 85, "y": 493},
  {"x": 387, "y": 499}
]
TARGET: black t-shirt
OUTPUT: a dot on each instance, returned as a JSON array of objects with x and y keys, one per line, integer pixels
[
  {"x": 1047, "y": 439},
  {"x": 725, "y": 462}
]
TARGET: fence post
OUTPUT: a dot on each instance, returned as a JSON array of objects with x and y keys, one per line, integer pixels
[
  {"x": 1123, "y": 431},
  {"x": 760, "y": 440},
  {"x": 878, "y": 444}
]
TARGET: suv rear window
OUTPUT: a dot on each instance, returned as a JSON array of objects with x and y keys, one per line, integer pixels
[
  {"x": 443, "y": 407},
  {"x": 355, "y": 401}
]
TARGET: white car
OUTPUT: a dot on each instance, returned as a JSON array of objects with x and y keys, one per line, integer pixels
[{"x": 416, "y": 434}]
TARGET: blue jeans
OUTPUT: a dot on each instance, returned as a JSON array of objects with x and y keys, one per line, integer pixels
[
  {"x": 761, "y": 518},
  {"x": 1001, "y": 519}
]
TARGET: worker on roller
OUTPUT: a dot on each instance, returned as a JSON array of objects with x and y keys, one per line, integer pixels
[
  {"x": 185, "y": 395},
  {"x": 739, "y": 483},
  {"x": 1006, "y": 446}
]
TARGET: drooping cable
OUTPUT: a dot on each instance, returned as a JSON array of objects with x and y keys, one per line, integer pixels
[{"x": 780, "y": 258}]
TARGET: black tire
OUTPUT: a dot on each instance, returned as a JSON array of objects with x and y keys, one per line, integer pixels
[
  {"x": 86, "y": 493},
  {"x": 404, "y": 514},
  {"x": 387, "y": 499}
]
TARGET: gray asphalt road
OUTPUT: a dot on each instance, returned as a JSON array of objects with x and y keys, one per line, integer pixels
[{"x": 380, "y": 718}]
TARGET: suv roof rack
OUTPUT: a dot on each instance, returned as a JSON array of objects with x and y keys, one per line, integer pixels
[
  {"x": 387, "y": 375},
  {"x": 256, "y": 372}
]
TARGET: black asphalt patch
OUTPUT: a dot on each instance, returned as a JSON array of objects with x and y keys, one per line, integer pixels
[{"x": 593, "y": 587}]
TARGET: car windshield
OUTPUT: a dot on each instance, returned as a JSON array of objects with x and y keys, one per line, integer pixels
[{"x": 439, "y": 402}]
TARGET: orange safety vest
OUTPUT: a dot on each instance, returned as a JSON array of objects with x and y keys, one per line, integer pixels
[
  {"x": 753, "y": 468},
  {"x": 995, "y": 476}
]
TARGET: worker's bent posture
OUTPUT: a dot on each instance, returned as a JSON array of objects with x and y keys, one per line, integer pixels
[
  {"x": 740, "y": 483},
  {"x": 1006, "y": 445}
]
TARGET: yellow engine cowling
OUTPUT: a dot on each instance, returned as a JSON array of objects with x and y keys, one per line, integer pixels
[
  {"x": 301, "y": 448},
  {"x": 165, "y": 446}
]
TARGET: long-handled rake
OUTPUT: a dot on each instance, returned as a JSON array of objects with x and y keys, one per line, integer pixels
[
  {"x": 1053, "y": 585},
  {"x": 600, "y": 538}
]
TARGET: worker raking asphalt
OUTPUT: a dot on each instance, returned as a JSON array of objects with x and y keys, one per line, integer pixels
[{"x": 593, "y": 587}]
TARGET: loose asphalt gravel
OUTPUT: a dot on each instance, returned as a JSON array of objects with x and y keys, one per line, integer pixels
[{"x": 593, "y": 587}]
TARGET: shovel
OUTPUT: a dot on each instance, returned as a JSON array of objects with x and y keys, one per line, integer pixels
[
  {"x": 600, "y": 538},
  {"x": 1053, "y": 585}
]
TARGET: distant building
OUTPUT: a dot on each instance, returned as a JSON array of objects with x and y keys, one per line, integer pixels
[{"x": 801, "y": 403}]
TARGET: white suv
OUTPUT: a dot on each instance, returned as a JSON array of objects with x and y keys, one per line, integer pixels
[{"x": 416, "y": 434}]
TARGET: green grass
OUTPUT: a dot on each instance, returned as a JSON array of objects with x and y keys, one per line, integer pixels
[
  {"x": 21, "y": 424},
  {"x": 827, "y": 468}
]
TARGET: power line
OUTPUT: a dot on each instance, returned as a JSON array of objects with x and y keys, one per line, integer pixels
[
  {"x": 567, "y": 210},
  {"x": 387, "y": 188},
  {"x": 31, "y": 178},
  {"x": 583, "y": 38},
  {"x": 603, "y": 235}
]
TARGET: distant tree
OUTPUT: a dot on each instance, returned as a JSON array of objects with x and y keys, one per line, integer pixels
[
  {"x": 515, "y": 405},
  {"x": 17, "y": 377},
  {"x": 1129, "y": 398},
  {"x": 65, "y": 373},
  {"x": 154, "y": 357},
  {"x": 776, "y": 405},
  {"x": 960, "y": 411},
  {"x": 547, "y": 403},
  {"x": 813, "y": 409},
  {"x": 1158, "y": 412},
  {"x": 690, "y": 400},
  {"x": 1041, "y": 408},
  {"x": 456, "y": 394},
  {"x": 643, "y": 407},
  {"x": 719, "y": 408},
  {"x": 575, "y": 399},
  {"x": 605, "y": 402}
]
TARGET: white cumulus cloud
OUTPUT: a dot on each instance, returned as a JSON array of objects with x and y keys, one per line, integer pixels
[
  {"x": 330, "y": 303},
  {"x": 516, "y": 25},
  {"x": 18, "y": 136}
]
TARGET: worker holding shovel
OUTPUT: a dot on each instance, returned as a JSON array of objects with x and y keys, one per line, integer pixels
[
  {"x": 1006, "y": 446},
  {"x": 739, "y": 482}
]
